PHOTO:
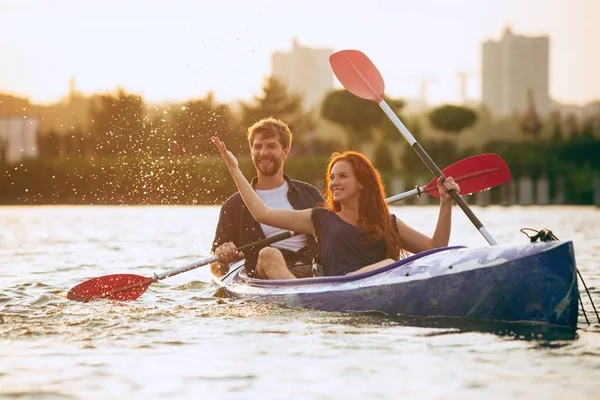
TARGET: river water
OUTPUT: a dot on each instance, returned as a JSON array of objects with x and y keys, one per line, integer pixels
[{"x": 178, "y": 340}]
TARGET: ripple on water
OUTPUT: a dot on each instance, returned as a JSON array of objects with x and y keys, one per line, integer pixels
[
  {"x": 193, "y": 285},
  {"x": 4, "y": 298},
  {"x": 42, "y": 395},
  {"x": 201, "y": 344},
  {"x": 225, "y": 377}
]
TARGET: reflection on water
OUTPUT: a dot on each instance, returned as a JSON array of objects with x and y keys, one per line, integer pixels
[
  {"x": 189, "y": 342},
  {"x": 544, "y": 334}
]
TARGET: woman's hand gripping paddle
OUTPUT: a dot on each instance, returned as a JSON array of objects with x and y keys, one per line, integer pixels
[{"x": 359, "y": 76}]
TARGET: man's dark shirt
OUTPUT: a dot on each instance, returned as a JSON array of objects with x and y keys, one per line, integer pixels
[{"x": 237, "y": 225}]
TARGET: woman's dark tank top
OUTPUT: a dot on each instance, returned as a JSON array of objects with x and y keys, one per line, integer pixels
[{"x": 340, "y": 247}]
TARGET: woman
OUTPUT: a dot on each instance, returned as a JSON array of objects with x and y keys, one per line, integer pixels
[{"x": 354, "y": 229}]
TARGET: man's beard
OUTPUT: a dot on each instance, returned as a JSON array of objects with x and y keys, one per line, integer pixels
[{"x": 268, "y": 170}]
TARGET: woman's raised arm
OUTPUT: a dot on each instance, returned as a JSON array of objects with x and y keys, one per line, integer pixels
[{"x": 298, "y": 221}]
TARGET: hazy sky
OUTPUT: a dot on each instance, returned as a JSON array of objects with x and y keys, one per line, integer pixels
[{"x": 179, "y": 49}]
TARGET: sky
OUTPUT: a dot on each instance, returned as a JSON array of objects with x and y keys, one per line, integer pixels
[{"x": 174, "y": 50}]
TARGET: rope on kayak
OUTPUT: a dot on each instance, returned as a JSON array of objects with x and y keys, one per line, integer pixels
[{"x": 546, "y": 235}]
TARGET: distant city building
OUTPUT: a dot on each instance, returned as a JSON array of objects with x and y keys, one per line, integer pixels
[
  {"x": 18, "y": 139},
  {"x": 512, "y": 68},
  {"x": 305, "y": 71}
]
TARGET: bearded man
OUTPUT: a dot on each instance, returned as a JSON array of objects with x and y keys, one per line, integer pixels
[{"x": 270, "y": 142}]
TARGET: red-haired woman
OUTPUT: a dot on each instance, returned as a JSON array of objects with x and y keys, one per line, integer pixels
[{"x": 354, "y": 229}]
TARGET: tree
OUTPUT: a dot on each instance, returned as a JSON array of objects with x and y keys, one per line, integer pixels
[
  {"x": 444, "y": 152},
  {"x": 50, "y": 145},
  {"x": 557, "y": 135},
  {"x": 118, "y": 124},
  {"x": 587, "y": 130},
  {"x": 382, "y": 158},
  {"x": 357, "y": 116},
  {"x": 194, "y": 122},
  {"x": 277, "y": 102},
  {"x": 530, "y": 123},
  {"x": 452, "y": 119},
  {"x": 73, "y": 143},
  {"x": 572, "y": 127}
]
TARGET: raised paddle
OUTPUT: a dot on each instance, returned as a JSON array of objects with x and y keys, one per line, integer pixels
[
  {"x": 360, "y": 76},
  {"x": 474, "y": 174},
  {"x": 125, "y": 287}
]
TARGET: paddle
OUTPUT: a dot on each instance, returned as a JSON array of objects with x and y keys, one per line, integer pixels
[
  {"x": 474, "y": 174},
  {"x": 360, "y": 76},
  {"x": 125, "y": 287}
]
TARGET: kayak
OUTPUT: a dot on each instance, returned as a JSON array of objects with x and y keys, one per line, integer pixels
[{"x": 534, "y": 282}]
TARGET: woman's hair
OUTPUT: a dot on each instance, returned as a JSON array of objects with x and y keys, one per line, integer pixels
[{"x": 373, "y": 215}]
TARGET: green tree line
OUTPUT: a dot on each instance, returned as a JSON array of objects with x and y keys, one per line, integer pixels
[{"x": 116, "y": 149}]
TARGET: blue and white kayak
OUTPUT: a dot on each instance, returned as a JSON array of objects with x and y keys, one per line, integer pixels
[{"x": 534, "y": 282}]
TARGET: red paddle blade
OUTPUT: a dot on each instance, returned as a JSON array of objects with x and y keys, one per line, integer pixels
[
  {"x": 121, "y": 287},
  {"x": 474, "y": 174},
  {"x": 358, "y": 74}
]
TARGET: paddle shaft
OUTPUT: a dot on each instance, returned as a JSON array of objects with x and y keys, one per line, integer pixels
[
  {"x": 259, "y": 244},
  {"x": 406, "y": 195},
  {"x": 435, "y": 170},
  {"x": 477, "y": 173}
]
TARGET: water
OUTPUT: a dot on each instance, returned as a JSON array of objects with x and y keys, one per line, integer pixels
[{"x": 178, "y": 340}]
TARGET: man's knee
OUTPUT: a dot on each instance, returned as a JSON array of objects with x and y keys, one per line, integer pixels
[
  {"x": 271, "y": 265},
  {"x": 267, "y": 258},
  {"x": 270, "y": 254}
]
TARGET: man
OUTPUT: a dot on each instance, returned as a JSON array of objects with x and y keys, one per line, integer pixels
[{"x": 270, "y": 142}]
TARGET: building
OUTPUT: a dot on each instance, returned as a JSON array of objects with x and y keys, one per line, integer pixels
[
  {"x": 511, "y": 68},
  {"x": 305, "y": 71},
  {"x": 18, "y": 139}
]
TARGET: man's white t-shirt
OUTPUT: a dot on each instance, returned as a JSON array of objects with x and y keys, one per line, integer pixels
[{"x": 277, "y": 198}]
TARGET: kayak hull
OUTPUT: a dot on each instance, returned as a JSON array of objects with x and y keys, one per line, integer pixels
[{"x": 535, "y": 282}]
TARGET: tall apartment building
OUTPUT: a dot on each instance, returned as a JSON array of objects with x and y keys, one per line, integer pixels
[
  {"x": 18, "y": 139},
  {"x": 305, "y": 71},
  {"x": 511, "y": 68}
]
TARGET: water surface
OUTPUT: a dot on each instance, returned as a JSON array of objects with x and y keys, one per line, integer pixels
[{"x": 179, "y": 340}]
